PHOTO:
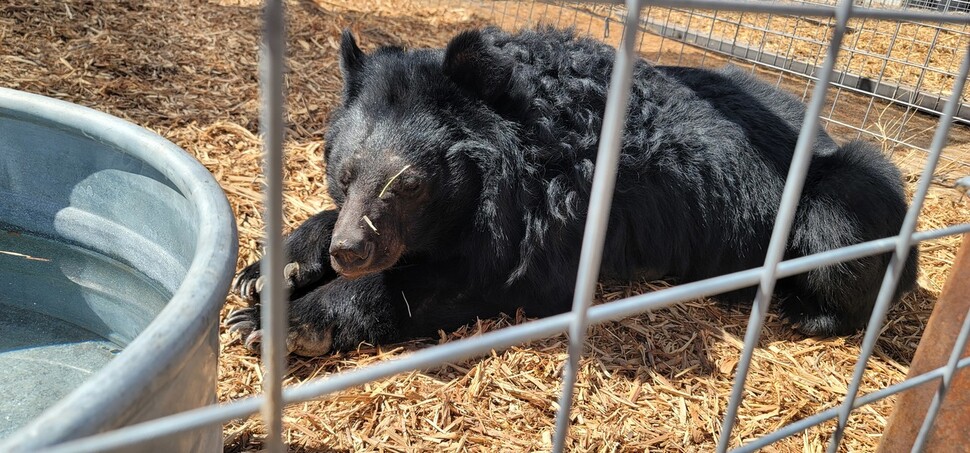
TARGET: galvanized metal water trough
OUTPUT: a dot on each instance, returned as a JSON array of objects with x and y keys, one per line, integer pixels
[{"x": 116, "y": 253}]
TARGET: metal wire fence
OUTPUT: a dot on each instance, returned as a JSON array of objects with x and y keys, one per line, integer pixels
[
  {"x": 828, "y": 75},
  {"x": 891, "y": 72}
]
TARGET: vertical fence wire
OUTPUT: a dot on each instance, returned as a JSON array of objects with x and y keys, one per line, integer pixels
[
  {"x": 710, "y": 35},
  {"x": 597, "y": 217},
  {"x": 852, "y": 51},
  {"x": 898, "y": 261},
  {"x": 272, "y": 296},
  {"x": 882, "y": 72},
  {"x": 923, "y": 69},
  {"x": 786, "y": 215}
]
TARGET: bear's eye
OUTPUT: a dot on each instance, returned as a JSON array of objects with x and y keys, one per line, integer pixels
[
  {"x": 346, "y": 177},
  {"x": 409, "y": 185}
]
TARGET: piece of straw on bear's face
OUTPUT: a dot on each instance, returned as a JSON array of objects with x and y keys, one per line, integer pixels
[
  {"x": 366, "y": 219},
  {"x": 390, "y": 181},
  {"x": 370, "y": 224}
]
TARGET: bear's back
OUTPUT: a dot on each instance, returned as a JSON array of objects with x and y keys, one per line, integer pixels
[
  {"x": 703, "y": 155},
  {"x": 671, "y": 110}
]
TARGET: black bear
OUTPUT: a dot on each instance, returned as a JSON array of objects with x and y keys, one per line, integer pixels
[{"x": 462, "y": 177}]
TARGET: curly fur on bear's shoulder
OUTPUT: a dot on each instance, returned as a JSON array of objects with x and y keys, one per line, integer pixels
[
  {"x": 676, "y": 145},
  {"x": 702, "y": 167}
]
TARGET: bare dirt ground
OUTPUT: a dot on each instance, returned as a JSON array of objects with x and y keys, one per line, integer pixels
[{"x": 655, "y": 382}]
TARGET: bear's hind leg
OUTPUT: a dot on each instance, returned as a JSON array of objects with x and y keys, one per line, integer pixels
[
  {"x": 853, "y": 195},
  {"x": 819, "y": 312},
  {"x": 835, "y": 299}
]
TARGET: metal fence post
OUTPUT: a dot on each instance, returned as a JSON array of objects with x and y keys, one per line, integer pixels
[{"x": 273, "y": 297}]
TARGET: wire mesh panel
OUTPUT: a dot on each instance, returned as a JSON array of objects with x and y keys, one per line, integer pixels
[{"x": 889, "y": 71}]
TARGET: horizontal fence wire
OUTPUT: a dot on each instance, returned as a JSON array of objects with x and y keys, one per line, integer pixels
[
  {"x": 893, "y": 91},
  {"x": 577, "y": 320},
  {"x": 833, "y": 413},
  {"x": 805, "y": 9},
  {"x": 873, "y": 90},
  {"x": 474, "y": 347},
  {"x": 783, "y": 63}
]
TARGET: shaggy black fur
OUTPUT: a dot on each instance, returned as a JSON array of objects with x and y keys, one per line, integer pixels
[{"x": 462, "y": 178}]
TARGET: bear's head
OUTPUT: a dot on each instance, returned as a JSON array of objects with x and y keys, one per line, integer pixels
[{"x": 406, "y": 151}]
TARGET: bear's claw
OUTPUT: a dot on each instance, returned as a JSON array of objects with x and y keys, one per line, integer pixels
[
  {"x": 239, "y": 317},
  {"x": 249, "y": 283},
  {"x": 242, "y": 327},
  {"x": 245, "y": 323},
  {"x": 254, "y": 340}
]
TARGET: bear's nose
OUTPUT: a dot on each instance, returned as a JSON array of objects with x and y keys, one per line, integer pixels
[{"x": 349, "y": 255}]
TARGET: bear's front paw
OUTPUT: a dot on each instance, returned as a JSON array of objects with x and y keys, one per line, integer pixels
[
  {"x": 249, "y": 281},
  {"x": 245, "y": 322},
  {"x": 301, "y": 339}
]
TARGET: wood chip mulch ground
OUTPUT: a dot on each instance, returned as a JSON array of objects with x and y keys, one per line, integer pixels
[{"x": 187, "y": 70}]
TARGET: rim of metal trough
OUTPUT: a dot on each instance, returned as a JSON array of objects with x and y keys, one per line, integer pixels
[{"x": 194, "y": 306}]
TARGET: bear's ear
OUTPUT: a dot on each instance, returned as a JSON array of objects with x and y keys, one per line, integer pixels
[
  {"x": 351, "y": 62},
  {"x": 473, "y": 65}
]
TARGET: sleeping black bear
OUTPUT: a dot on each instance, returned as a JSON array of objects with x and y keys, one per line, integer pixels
[{"x": 462, "y": 176}]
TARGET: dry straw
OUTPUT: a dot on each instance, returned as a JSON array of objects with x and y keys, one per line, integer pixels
[
  {"x": 390, "y": 181},
  {"x": 656, "y": 382}
]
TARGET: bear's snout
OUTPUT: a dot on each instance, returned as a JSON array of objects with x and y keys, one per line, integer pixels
[{"x": 351, "y": 256}]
